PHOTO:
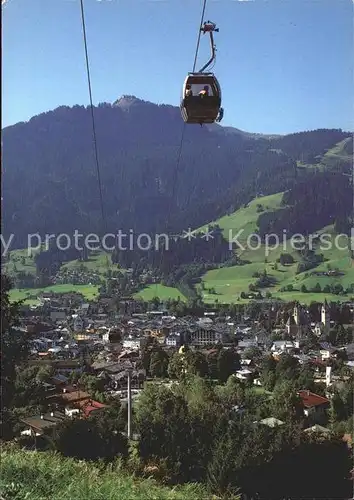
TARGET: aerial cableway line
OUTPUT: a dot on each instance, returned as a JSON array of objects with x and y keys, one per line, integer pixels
[
  {"x": 94, "y": 135},
  {"x": 205, "y": 79}
]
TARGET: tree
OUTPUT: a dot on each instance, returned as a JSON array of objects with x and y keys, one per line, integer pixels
[
  {"x": 233, "y": 393},
  {"x": 90, "y": 439},
  {"x": 287, "y": 367},
  {"x": 220, "y": 471},
  {"x": 286, "y": 403},
  {"x": 268, "y": 377},
  {"x": 176, "y": 366},
  {"x": 254, "y": 353},
  {"x": 306, "y": 379},
  {"x": 269, "y": 380},
  {"x": 286, "y": 258},
  {"x": 162, "y": 422},
  {"x": 212, "y": 360},
  {"x": 228, "y": 362},
  {"x": 158, "y": 363},
  {"x": 146, "y": 351},
  {"x": 197, "y": 363},
  {"x": 14, "y": 350}
]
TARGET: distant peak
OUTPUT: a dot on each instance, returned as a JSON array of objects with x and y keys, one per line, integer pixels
[{"x": 126, "y": 101}]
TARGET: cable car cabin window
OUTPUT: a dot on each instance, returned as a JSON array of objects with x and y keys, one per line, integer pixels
[{"x": 196, "y": 89}]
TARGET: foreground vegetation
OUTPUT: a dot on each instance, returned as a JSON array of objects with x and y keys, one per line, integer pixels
[{"x": 44, "y": 475}]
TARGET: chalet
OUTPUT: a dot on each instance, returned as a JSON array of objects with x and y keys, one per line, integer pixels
[
  {"x": 43, "y": 424},
  {"x": 314, "y": 405},
  {"x": 88, "y": 406}
]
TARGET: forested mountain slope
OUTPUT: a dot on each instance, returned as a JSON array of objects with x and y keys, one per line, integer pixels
[{"x": 50, "y": 180}]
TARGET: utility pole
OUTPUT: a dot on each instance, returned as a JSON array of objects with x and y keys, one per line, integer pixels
[{"x": 129, "y": 403}]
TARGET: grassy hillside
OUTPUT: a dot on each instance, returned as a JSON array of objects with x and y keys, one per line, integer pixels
[
  {"x": 340, "y": 157},
  {"x": 245, "y": 219},
  {"x": 99, "y": 262},
  {"x": 341, "y": 153},
  {"x": 163, "y": 292},
  {"x": 41, "y": 475},
  {"x": 226, "y": 284},
  {"x": 30, "y": 296},
  {"x": 19, "y": 260}
]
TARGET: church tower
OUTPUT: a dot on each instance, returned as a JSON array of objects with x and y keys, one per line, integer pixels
[
  {"x": 296, "y": 314},
  {"x": 325, "y": 316}
]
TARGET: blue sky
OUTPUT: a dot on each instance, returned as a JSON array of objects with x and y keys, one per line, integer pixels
[{"x": 284, "y": 65}]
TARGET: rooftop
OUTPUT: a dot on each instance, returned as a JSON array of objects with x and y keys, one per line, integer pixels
[{"x": 310, "y": 399}]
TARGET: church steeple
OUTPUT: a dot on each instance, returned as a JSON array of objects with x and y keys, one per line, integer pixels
[{"x": 325, "y": 315}]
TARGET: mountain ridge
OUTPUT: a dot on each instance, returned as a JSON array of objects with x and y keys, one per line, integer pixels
[{"x": 50, "y": 181}]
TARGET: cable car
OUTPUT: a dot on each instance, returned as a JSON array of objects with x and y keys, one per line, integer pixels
[
  {"x": 197, "y": 107},
  {"x": 201, "y": 93}
]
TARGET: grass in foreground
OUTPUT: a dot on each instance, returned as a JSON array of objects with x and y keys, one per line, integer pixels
[{"x": 43, "y": 475}]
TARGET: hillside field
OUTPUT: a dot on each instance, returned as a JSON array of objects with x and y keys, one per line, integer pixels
[
  {"x": 160, "y": 291},
  {"x": 229, "y": 282},
  {"x": 30, "y": 295}
]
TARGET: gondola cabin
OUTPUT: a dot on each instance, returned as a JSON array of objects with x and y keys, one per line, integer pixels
[{"x": 201, "y": 98}]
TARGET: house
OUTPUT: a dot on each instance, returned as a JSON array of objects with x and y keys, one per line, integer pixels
[
  {"x": 57, "y": 316},
  {"x": 132, "y": 343},
  {"x": 246, "y": 344},
  {"x": 84, "y": 309},
  {"x": 247, "y": 362},
  {"x": 327, "y": 351},
  {"x": 315, "y": 406},
  {"x": 243, "y": 374},
  {"x": 43, "y": 424},
  {"x": 205, "y": 335},
  {"x": 319, "y": 430},
  {"x": 69, "y": 399},
  {"x": 173, "y": 340},
  {"x": 281, "y": 346},
  {"x": 120, "y": 380},
  {"x": 89, "y": 406},
  {"x": 271, "y": 422}
]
